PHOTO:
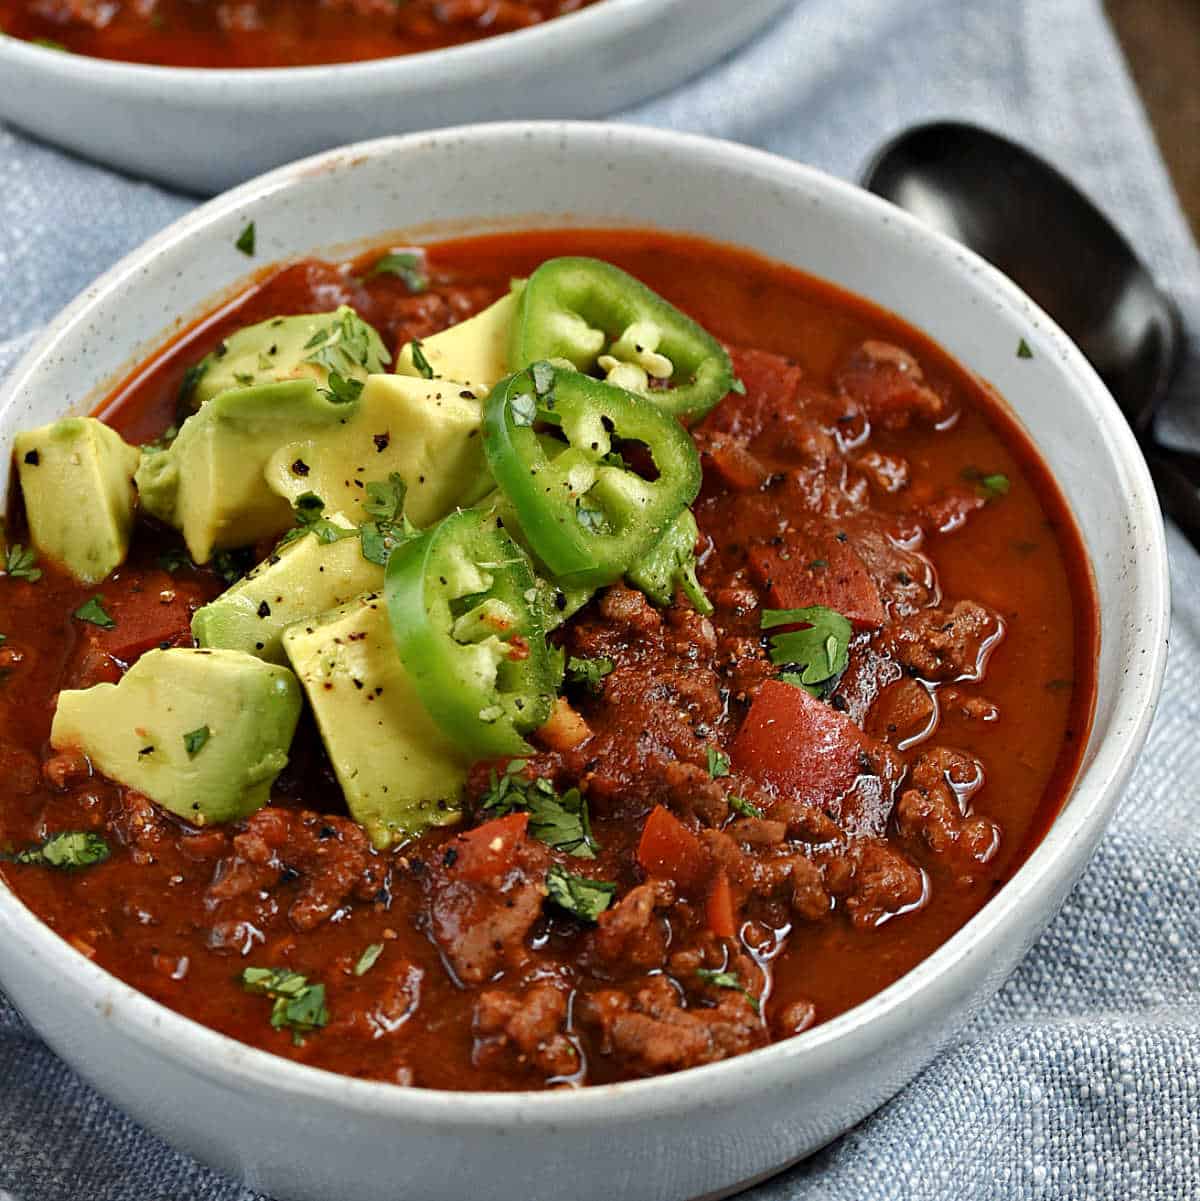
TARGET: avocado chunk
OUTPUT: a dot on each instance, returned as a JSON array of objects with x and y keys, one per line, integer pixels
[
  {"x": 400, "y": 774},
  {"x": 209, "y": 483},
  {"x": 77, "y": 480},
  {"x": 425, "y": 430},
  {"x": 307, "y": 346},
  {"x": 203, "y": 733},
  {"x": 300, "y": 580},
  {"x": 473, "y": 353}
]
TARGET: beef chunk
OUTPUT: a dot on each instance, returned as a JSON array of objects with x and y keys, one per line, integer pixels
[
  {"x": 634, "y": 931},
  {"x": 937, "y": 645},
  {"x": 650, "y": 1031},
  {"x": 524, "y": 1030}
]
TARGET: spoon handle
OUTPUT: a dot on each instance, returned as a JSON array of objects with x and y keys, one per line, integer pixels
[{"x": 1177, "y": 488}]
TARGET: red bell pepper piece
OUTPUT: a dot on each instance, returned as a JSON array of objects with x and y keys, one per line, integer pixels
[
  {"x": 668, "y": 848},
  {"x": 719, "y": 911},
  {"x": 800, "y": 745},
  {"x": 487, "y": 853},
  {"x": 819, "y": 570}
]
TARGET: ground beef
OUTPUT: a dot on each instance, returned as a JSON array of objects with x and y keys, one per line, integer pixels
[
  {"x": 634, "y": 931},
  {"x": 885, "y": 883},
  {"x": 933, "y": 814},
  {"x": 479, "y": 920},
  {"x": 939, "y": 645},
  {"x": 525, "y": 1030},
  {"x": 890, "y": 385},
  {"x": 650, "y": 1030}
]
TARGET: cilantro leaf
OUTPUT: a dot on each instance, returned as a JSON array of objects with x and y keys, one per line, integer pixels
[
  {"x": 580, "y": 896},
  {"x": 175, "y": 559},
  {"x": 194, "y": 741},
  {"x": 406, "y": 265},
  {"x": 1023, "y": 350},
  {"x": 368, "y": 959},
  {"x": 524, "y": 409},
  {"x": 740, "y": 805},
  {"x": 718, "y": 762},
  {"x": 93, "y": 613},
  {"x": 420, "y": 362},
  {"x": 561, "y": 822},
  {"x": 344, "y": 346},
  {"x": 589, "y": 673},
  {"x": 246, "y": 239},
  {"x": 299, "y": 1006},
  {"x": 231, "y": 565},
  {"x": 341, "y": 389},
  {"x": 814, "y": 657},
  {"x": 384, "y": 502},
  {"x": 67, "y": 851},
  {"x": 727, "y": 979},
  {"x": 309, "y": 511},
  {"x": 19, "y": 563},
  {"x": 738, "y": 387}
]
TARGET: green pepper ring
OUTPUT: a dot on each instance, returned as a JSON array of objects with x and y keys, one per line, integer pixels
[
  {"x": 550, "y": 512},
  {"x": 468, "y": 557}
]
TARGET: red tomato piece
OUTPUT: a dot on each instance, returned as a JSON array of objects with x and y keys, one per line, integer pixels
[
  {"x": 668, "y": 848},
  {"x": 819, "y": 570},
  {"x": 719, "y": 911},
  {"x": 801, "y": 746},
  {"x": 488, "y": 852}
]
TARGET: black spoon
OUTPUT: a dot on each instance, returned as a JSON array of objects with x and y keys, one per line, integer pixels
[{"x": 1028, "y": 219}]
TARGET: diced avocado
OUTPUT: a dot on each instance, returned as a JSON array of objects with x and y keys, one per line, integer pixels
[
  {"x": 400, "y": 774},
  {"x": 473, "y": 353},
  {"x": 302, "y": 579},
  {"x": 77, "y": 479},
  {"x": 283, "y": 348},
  {"x": 425, "y": 430},
  {"x": 203, "y": 733},
  {"x": 210, "y": 483}
]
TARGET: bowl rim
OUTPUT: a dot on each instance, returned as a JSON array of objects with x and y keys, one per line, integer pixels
[
  {"x": 588, "y": 27},
  {"x": 866, "y": 1029}
]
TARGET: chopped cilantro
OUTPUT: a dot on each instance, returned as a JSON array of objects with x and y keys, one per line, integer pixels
[
  {"x": 299, "y": 1006},
  {"x": 50, "y": 44},
  {"x": 342, "y": 390},
  {"x": 343, "y": 346},
  {"x": 542, "y": 374},
  {"x": 175, "y": 559},
  {"x": 739, "y": 804},
  {"x": 420, "y": 362},
  {"x": 1023, "y": 350},
  {"x": 989, "y": 485},
  {"x": 589, "y": 672},
  {"x": 718, "y": 762},
  {"x": 384, "y": 502},
  {"x": 581, "y": 896},
  {"x": 560, "y": 822},
  {"x": 727, "y": 979},
  {"x": 368, "y": 958},
  {"x": 245, "y": 240},
  {"x": 244, "y": 378},
  {"x": 406, "y": 265},
  {"x": 93, "y": 613},
  {"x": 194, "y": 741},
  {"x": 738, "y": 387},
  {"x": 67, "y": 851},
  {"x": 191, "y": 377},
  {"x": 19, "y": 563},
  {"x": 309, "y": 510},
  {"x": 814, "y": 657},
  {"x": 231, "y": 565}
]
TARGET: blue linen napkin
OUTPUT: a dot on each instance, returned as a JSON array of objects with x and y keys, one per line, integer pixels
[{"x": 1082, "y": 1079}]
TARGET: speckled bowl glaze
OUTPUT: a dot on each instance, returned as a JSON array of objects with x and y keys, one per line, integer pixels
[
  {"x": 204, "y": 130},
  {"x": 300, "y": 1133}
]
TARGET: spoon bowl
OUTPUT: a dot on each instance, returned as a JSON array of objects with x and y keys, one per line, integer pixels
[{"x": 1027, "y": 218}]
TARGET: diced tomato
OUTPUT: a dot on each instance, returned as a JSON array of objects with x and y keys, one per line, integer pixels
[
  {"x": 488, "y": 852},
  {"x": 668, "y": 848},
  {"x": 147, "y": 611},
  {"x": 771, "y": 382},
  {"x": 819, "y": 570},
  {"x": 735, "y": 465},
  {"x": 719, "y": 911},
  {"x": 801, "y": 746}
]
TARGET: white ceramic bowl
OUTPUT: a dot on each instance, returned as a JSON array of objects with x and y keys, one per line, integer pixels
[
  {"x": 297, "y": 1132},
  {"x": 204, "y": 130}
]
